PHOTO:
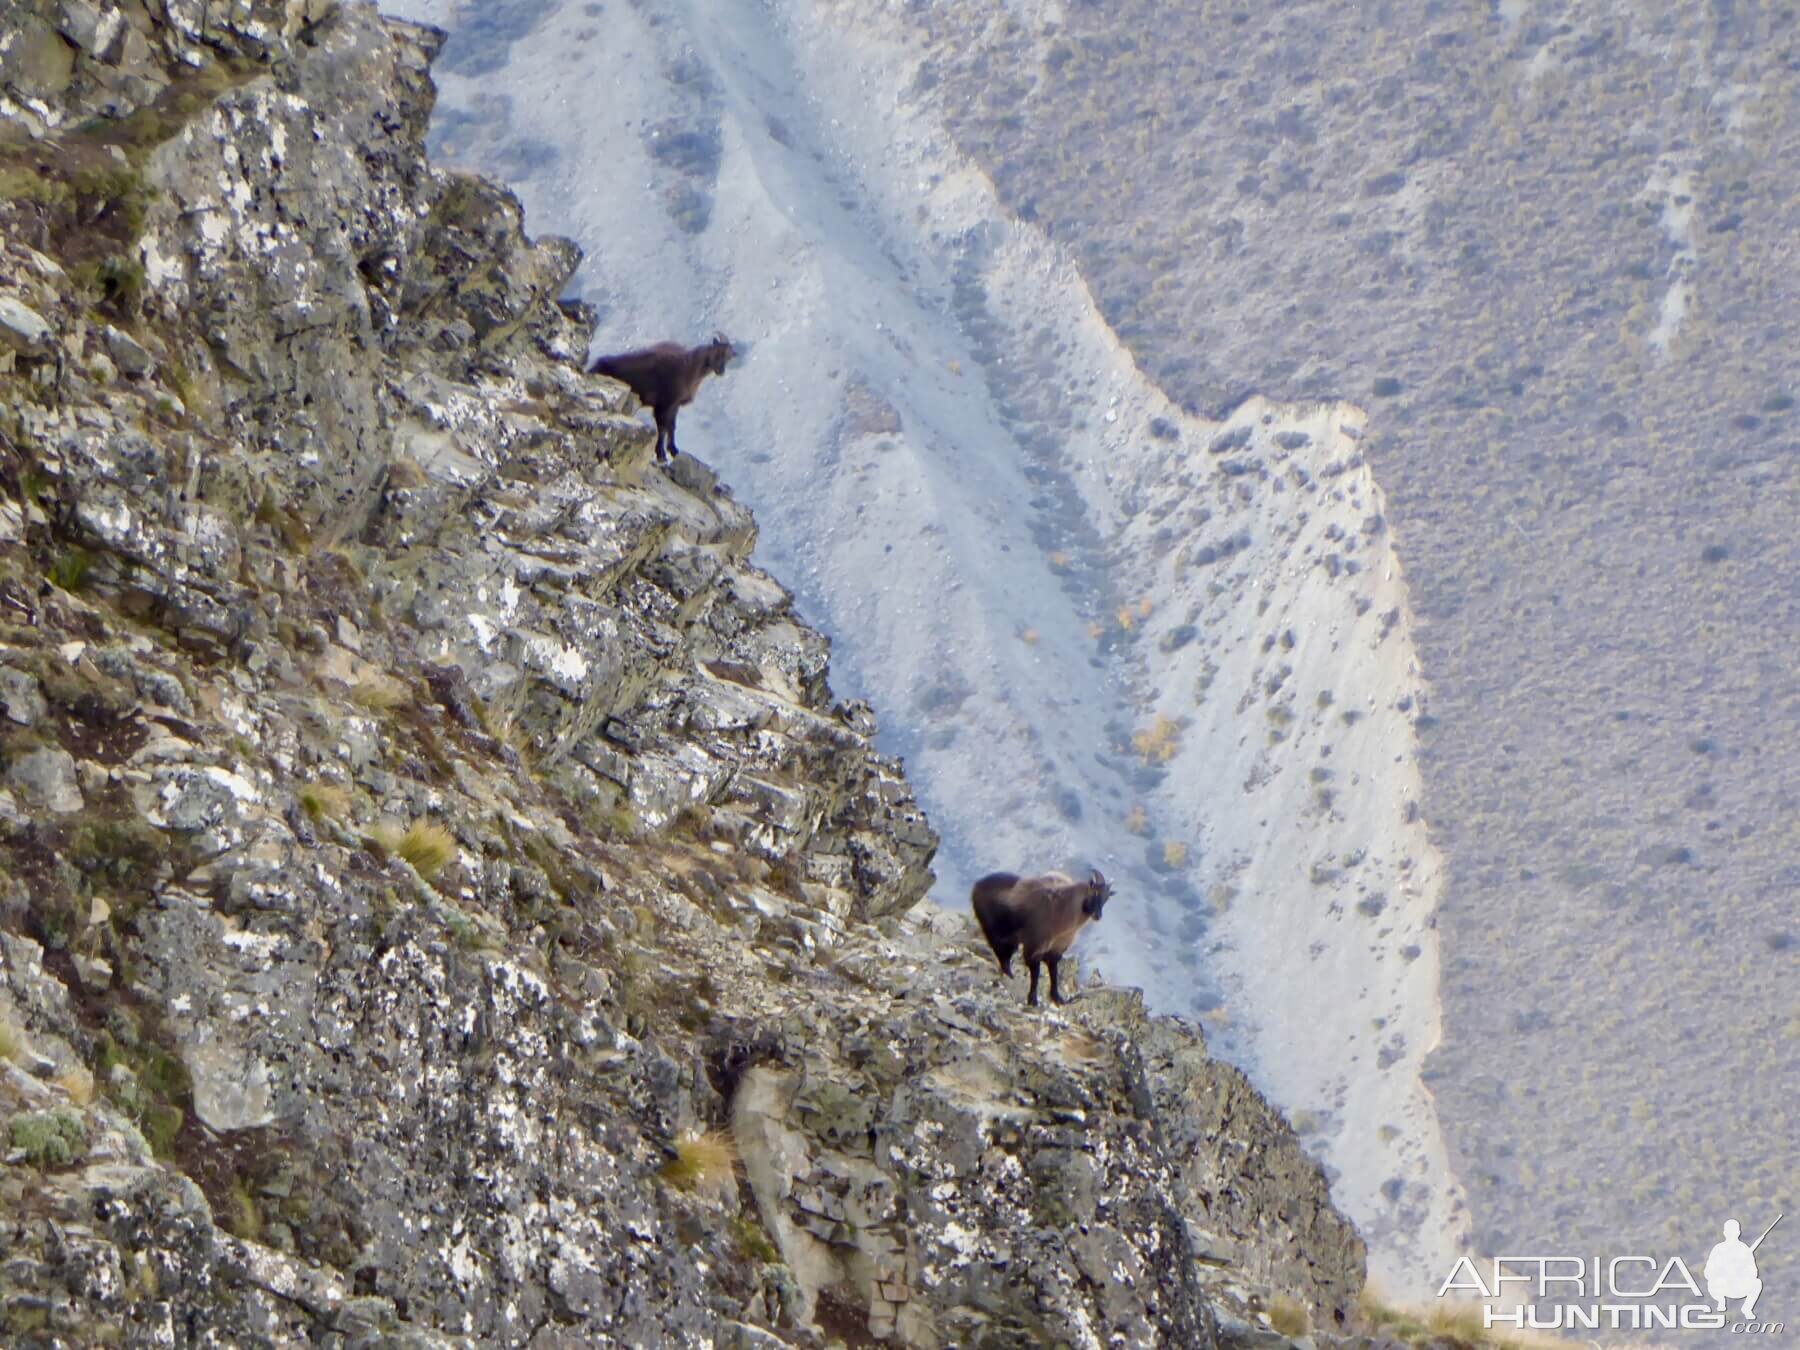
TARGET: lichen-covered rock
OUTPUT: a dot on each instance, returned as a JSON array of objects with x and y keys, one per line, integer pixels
[
  {"x": 422, "y": 820},
  {"x": 20, "y": 698},
  {"x": 977, "y": 1174},
  {"x": 22, "y": 328},
  {"x": 46, "y": 778}
]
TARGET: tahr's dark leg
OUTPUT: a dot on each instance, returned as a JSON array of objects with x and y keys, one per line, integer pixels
[
  {"x": 665, "y": 433},
  {"x": 1031, "y": 998},
  {"x": 1053, "y": 962},
  {"x": 1005, "y": 955}
]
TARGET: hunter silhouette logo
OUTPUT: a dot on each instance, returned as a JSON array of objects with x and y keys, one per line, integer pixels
[
  {"x": 1635, "y": 1292},
  {"x": 1731, "y": 1269}
]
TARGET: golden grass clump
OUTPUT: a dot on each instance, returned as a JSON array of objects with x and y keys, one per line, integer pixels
[
  {"x": 1136, "y": 821},
  {"x": 1081, "y": 1049},
  {"x": 1174, "y": 854},
  {"x": 324, "y": 801},
  {"x": 1159, "y": 741},
  {"x": 425, "y": 845},
  {"x": 78, "y": 1083},
  {"x": 379, "y": 693},
  {"x": 244, "y": 1217},
  {"x": 12, "y": 1041},
  {"x": 1289, "y": 1316},
  {"x": 702, "y": 1161},
  {"x": 1377, "y": 1314},
  {"x": 1460, "y": 1321},
  {"x": 407, "y": 473},
  {"x": 504, "y": 726},
  {"x": 1457, "y": 1320}
]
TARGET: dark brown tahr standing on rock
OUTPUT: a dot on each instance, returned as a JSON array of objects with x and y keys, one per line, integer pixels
[
  {"x": 1041, "y": 914},
  {"x": 665, "y": 378}
]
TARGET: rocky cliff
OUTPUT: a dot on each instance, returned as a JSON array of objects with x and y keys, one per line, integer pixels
[{"x": 443, "y": 901}]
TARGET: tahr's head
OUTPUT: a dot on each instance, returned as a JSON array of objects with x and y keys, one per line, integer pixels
[
  {"x": 717, "y": 353},
  {"x": 1099, "y": 891}
]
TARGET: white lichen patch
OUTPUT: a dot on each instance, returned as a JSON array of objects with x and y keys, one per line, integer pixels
[
  {"x": 485, "y": 631},
  {"x": 236, "y": 784}
]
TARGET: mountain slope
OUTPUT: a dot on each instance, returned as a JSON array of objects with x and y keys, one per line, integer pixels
[
  {"x": 1081, "y": 603},
  {"x": 444, "y": 902},
  {"x": 1548, "y": 247}
]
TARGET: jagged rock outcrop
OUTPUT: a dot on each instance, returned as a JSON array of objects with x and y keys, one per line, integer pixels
[{"x": 419, "y": 820}]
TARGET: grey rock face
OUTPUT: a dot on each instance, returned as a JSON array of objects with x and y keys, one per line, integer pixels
[
  {"x": 424, "y": 823},
  {"x": 98, "y": 31},
  {"x": 20, "y": 697},
  {"x": 46, "y": 778},
  {"x": 966, "y": 1167},
  {"x": 35, "y": 60},
  {"x": 22, "y": 328},
  {"x": 126, "y": 354}
]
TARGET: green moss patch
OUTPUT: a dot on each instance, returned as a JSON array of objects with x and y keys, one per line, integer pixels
[{"x": 50, "y": 1138}]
